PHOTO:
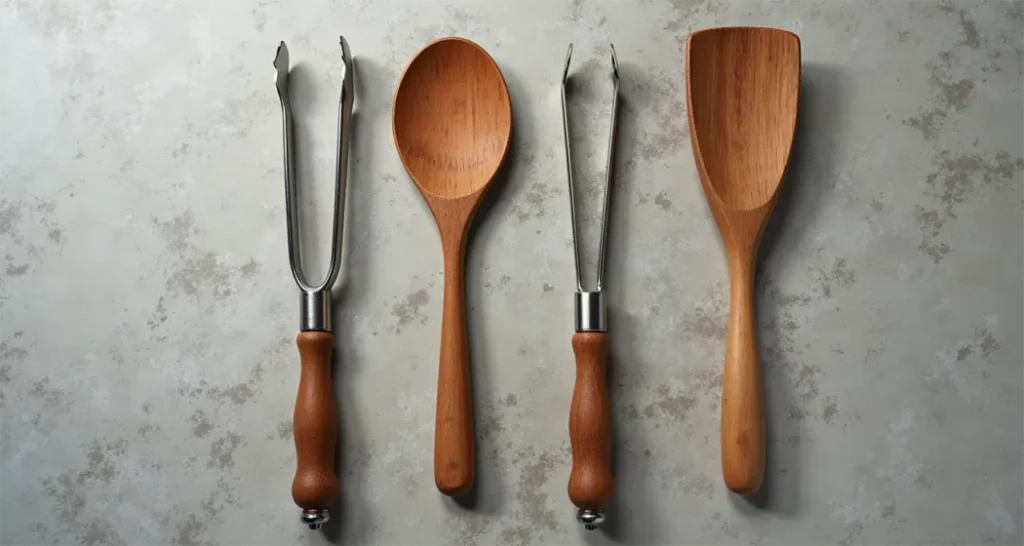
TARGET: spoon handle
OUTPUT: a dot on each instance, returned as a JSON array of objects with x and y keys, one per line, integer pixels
[
  {"x": 743, "y": 429},
  {"x": 591, "y": 484},
  {"x": 453, "y": 430},
  {"x": 315, "y": 487}
]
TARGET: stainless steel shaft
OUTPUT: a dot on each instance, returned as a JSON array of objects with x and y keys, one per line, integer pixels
[
  {"x": 590, "y": 307},
  {"x": 316, "y": 299}
]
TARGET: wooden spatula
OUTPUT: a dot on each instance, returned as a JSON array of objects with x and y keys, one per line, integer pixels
[{"x": 742, "y": 86}]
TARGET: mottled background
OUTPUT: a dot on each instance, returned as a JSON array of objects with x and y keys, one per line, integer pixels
[{"x": 148, "y": 314}]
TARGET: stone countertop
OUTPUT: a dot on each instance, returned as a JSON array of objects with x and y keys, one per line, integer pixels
[{"x": 148, "y": 314}]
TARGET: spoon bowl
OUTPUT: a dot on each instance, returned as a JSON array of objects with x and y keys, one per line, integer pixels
[
  {"x": 452, "y": 118},
  {"x": 452, "y": 122},
  {"x": 743, "y": 86}
]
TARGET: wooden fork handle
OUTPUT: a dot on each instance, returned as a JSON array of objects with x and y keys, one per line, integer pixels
[
  {"x": 315, "y": 486},
  {"x": 743, "y": 427},
  {"x": 591, "y": 484}
]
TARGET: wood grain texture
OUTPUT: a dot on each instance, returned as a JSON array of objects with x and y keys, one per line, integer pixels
[
  {"x": 743, "y": 87},
  {"x": 591, "y": 484},
  {"x": 452, "y": 118},
  {"x": 316, "y": 424},
  {"x": 452, "y": 122}
]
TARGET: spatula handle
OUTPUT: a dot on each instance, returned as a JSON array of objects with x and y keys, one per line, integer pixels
[
  {"x": 743, "y": 430},
  {"x": 315, "y": 486},
  {"x": 454, "y": 464},
  {"x": 591, "y": 484}
]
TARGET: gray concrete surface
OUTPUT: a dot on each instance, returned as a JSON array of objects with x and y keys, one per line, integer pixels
[{"x": 148, "y": 316}]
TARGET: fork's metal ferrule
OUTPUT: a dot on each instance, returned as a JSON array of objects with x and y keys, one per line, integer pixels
[
  {"x": 315, "y": 299},
  {"x": 590, "y": 312},
  {"x": 316, "y": 311}
]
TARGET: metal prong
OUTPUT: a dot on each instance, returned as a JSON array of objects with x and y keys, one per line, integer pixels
[
  {"x": 568, "y": 168},
  {"x": 345, "y": 103},
  {"x": 281, "y": 63},
  {"x": 608, "y": 171}
]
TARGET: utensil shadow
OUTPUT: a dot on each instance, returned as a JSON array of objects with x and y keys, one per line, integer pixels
[
  {"x": 352, "y": 520},
  {"x": 798, "y": 206},
  {"x": 626, "y": 521}
]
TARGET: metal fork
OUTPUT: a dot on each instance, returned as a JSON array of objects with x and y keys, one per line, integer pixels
[
  {"x": 591, "y": 484},
  {"x": 315, "y": 487}
]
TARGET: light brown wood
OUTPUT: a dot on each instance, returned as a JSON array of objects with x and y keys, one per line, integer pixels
[
  {"x": 591, "y": 484},
  {"x": 743, "y": 87},
  {"x": 452, "y": 122},
  {"x": 316, "y": 424}
]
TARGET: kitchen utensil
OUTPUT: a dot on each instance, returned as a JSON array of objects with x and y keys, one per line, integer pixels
[
  {"x": 315, "y": 487},
  {"x": 591, "y": 484},
  {"x": 452, "y": 122},
  {"x": 742, "y": 86}
]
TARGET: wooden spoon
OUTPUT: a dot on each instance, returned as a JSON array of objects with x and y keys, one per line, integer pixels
[
  {"x": 743, "y": 86},
  {"x": 453, "y": 123}
]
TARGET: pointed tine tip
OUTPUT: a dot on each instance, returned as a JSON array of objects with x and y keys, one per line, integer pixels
[
  {"x": 344, "y": 47},
  {"x": 281, "y": 64},
  {"x": 346, "y": 61},
  {"x": 568, "y": 58},
  {"x": 615, "y": 63}
]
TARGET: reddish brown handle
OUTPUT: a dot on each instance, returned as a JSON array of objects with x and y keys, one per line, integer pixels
[
  {"x": 591, "y": 484},
  {"x": 454, "y": 463},
  {"x": 743, "y": 431},
  {"x": 316, "y": 424}
]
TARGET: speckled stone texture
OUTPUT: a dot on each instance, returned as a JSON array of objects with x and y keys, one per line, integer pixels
[{"x": 148, "y": 315}]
